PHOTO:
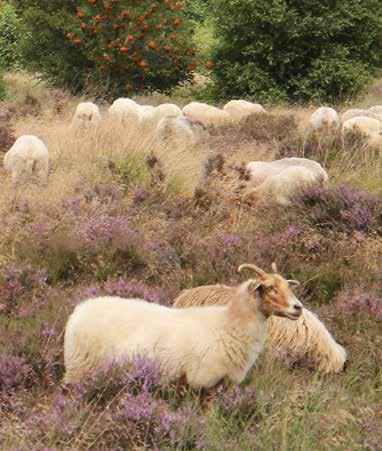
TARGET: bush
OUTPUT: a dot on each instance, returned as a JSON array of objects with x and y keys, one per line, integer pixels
[
  {"x": 279, "y": 50},
  {"x": 3, "y": 88},
  {"x": 9, "y": 37},
  {"x": 134, "y": 47}
]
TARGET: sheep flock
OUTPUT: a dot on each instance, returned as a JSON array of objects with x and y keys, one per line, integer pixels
[{"x": 211, "y": 332}]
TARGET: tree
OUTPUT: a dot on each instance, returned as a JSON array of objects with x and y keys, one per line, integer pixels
[
  {"x": 9, "y": 36},
  {"x": 296, "y": 49}
]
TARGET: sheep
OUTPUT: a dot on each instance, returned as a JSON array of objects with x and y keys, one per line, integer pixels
[
  {"x": 282, "y": 187},
  {"x": 369, "y": 127},
  {"x": 125, "y": 111},
  {"x": 86, "y": 116},
  {"x": 258, "y": 171},
  {"x": 201, "y": 344},
  {"x": 27, "y": 154},
  {"x": 323, "y": 117},
  {"x": 179, "y": 129},
  {"x": 208, "y": 115},
  {"x": 305, "y": 338},
  {"x": 151, "y": 117},
  {"x": 377, "y": 109},
  {"x": 349, "y": 114},
  {"x": 239, "y": 109}
]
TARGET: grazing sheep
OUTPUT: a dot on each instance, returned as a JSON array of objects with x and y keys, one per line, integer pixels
[
  {"x": 151, "y": 117},
  {"x": 125, "y": 111},
  {"x": 369, "y": 127},
  {"x": 305, "y": 338},
  {"x": 208, "y": 115},
  {"x": 239, "y": 109},
  {"x": 86, "y": 116},
  {"x": 282, "y": 187},
  {"x": 179, "y": 130},
  {"x": 27, "y": 155},
  {"x": 349, "y": 114},
  {"x": 202, "y": 344},
  {"x": 259, "y": 171}
]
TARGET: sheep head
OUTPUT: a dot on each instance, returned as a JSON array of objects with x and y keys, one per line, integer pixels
[{"x": 276, "y": 296}]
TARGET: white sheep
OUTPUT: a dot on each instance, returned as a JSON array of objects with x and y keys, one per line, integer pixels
[
  {"x": 324, "y": 117},
  {"x": 151, "y": 117},
  {"x": 27, "y": 155},
  {"x": 282, "y": 187},
  {"x": 356, "y": 112},
  {"x": 86, "y": 116},
  {"x": 239, "y": 109},
  {"x": 179, "y": 130},
  {"x": 125, "y": 111},
  {"x": 369, "y": 127},
  {"x": 305, "y": 338},
  {"x": 258, "y": 171},
  {"x": 202, "y": 344},
  {"x": 208, "y": 115},
  {"x": 377, "y": 109}
]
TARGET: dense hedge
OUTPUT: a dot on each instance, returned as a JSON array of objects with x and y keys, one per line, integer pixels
[
  {"x": 9, "y": 36},
  {"x": 296, "y": 49}
]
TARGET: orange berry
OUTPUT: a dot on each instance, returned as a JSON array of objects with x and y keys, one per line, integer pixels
[
  {"x": 92, "y": 2},
  {"x": 130, "y": 37},
  {"x": 77, "y": 41},
  {"x": 167, "y": 48},
  {"x": 69, "y": 36},
  {"x": 123, "y": 49},
  {"x": 152, "y": 45},
  {"x": 106, "y": 57},
  {"x": 142, "y": 64},
  {"x": 80, "y": 14},
  {"x": 176, "y": 22},
  {"x": 83, "y": 26},
  {"x": 97, "y": 18},
  {"x": 145, "y": 27},
  {"x": 208, "y": 64}
]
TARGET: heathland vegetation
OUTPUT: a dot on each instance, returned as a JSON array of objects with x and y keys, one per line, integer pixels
[{"x": 106, "y": 223}]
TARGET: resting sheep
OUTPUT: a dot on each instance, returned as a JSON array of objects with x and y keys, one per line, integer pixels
[
  {"x": 305, "y": 338},
  {"x": 27, "y": 155},
  {"x": 259, "y": 171},
  {"x": 208, "y": 115},
  {"x": 86, "y": 117},
  {"x": 239, "y": 109},
  {"x": 202, "y": 344}
]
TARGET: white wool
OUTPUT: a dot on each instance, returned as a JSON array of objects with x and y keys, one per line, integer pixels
[
  {"x": 208, "y": 115},
  {"x": 125, "y": 111},
  {"x": 179, "y": 130},
  {"x": 204, "y": 344},
  {"x": 280, "y": 188},
  {"x": 377, "y": 109},
  {"x": 258, "y": 171},
  {"x": 86, "y": 116},
  {"x": 370, "y": 127},
  {"x": 238, "y": 109},
  {"x": 324, "y": 117},
  {"x": 27, "y": 155},
  {"x": 349, "y": 114},
  {"x": 151, "y": 117}
]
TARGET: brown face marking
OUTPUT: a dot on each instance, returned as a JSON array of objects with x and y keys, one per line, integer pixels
[{"x": 275, "y": 292}]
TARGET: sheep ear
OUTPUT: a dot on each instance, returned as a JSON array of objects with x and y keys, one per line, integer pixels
[{"x": 293, "y": 283}]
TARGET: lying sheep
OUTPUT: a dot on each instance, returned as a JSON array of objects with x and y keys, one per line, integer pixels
[
  {"x": 258, "y": 171},
  {"x": 282, "y": 187},
  {"x": 27, "y": 155},
  {"x": 208, "y": 115},
  {"x": 202, "y": 344},
  {"x": 239, "y": 109},
  {"x": 86, "y": 116},
  {"x": 125, "y": 111},
  {"x": 349, "y": 114},
  {"x": 305, "y": 338}
]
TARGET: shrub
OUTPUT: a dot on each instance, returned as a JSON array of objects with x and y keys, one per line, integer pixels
[
  {"x": 9, "y": 37},
  {"x": 136, "y": 46},
  {"x": 279, "y": 50},
  {"x": 3, "y": 88}
]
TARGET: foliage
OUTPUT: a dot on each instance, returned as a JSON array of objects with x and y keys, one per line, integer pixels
[
  {"x": 197, "y": 10},
  {"x": 279, "y": 50},
  {"x": 3, "y": 87},
  {"x": 10, "y": 32},
  {"x": 135, "y": 46}
]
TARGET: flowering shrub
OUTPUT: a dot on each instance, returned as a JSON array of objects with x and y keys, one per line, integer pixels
[{"x": 135, "y": 45}]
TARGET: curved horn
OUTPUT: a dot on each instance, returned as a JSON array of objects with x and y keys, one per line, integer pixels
[
  {"x": 292, "y": 282},
  {"x": 274, "y": 267},
  {"x": 254, "y": 268}
]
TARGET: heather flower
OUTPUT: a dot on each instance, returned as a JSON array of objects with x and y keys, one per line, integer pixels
[
  {"x": 144, "y": 374},
  {"x": 238, "y": 403},
  {"x": 139, "y": 195},
  {"x": 14, "y": 373},
  {"x": 359, "y": 299}
]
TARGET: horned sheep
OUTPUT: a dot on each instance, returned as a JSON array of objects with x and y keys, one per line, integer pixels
[
  {"x": 305, "y": 338},
  {"x": 27, "y": 155},
  {"x": 202, "y": 344},
  {"x": 208, "y": 115},
  {"x": 86, "y": 116}
]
